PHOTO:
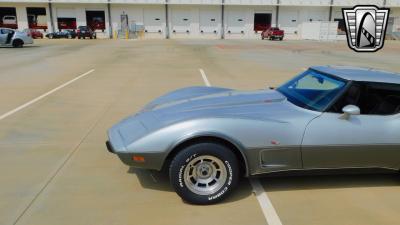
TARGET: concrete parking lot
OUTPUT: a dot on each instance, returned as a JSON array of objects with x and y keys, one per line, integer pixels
[{"x": 55, "y": 169}]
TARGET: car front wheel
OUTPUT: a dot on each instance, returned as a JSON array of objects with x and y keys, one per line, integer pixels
[{"x": 204, "y": 173}]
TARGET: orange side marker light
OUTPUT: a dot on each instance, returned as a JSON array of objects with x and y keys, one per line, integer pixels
[{"x": 138, "y": 158}]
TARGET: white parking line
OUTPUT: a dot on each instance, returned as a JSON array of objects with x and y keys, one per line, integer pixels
[
  {"x": 265, "y": 203},
  {"x": 205, "y": 77},
  {"x": 7, "y": 114},
  {"x": 267, "y": 208}
]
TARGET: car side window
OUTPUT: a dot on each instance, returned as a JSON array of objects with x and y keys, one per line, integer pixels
[
  {"x": 371, "y": 98},
  {"x": 6, "y": 31}
]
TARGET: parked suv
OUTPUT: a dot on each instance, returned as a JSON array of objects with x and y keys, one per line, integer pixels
[{"x": 84, "y": 32}]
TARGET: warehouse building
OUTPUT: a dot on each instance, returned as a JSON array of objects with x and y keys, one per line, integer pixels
[{"x": 215, "y": 19}]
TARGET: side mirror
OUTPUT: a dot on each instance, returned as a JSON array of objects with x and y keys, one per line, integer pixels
[{"x": 349, "y": 110}]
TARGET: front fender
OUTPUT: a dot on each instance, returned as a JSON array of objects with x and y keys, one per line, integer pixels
[
  {"x": 213, "y": 134},
  {"x": 246, "y": 134}
]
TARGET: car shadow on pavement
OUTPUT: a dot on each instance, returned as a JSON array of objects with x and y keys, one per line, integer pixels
[
  {"x": 329, "y": 181},
  {"x": 159, "y": 180},
  {"x": 10, "y": 47}
]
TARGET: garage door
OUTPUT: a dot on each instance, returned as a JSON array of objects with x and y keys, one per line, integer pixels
[
  {"x": 181, "y": 20},
  {"x": 236, "y": 22},
  {"x": 209, "y": 21},
  {"x": 66, "y": 13},
  {"x": 288, "y": 20},
  {"x": 153, "y": 20}
]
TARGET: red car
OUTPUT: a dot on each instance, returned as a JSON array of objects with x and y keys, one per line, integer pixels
[
  {"x": 273, "y": 33},
  {"x": 35, "y": 34}
]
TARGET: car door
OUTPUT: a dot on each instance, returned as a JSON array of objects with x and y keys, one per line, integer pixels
[
  {"x": 3, "y": 36},
  {"x": 354, "y": 141},
  {"x": 360, "y": 141}
]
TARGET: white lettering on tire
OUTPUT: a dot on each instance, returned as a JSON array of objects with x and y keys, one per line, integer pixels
[
  {"x": 212, "y": 197},
  {"x": 180, "y": 176}
]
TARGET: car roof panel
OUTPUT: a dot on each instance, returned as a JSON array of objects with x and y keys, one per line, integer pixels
[{"x": 360, "y": 74}]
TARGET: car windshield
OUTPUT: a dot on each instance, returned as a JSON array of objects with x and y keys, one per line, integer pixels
[{"x": 312, "y": 90}]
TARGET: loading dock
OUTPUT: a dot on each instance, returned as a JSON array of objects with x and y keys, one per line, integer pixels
[
  {"x": 181, "y": 19},
  {"x": 8, "y": 17},
  {"x": 210, "y": 22},
  {"x": 95, "y": 19},
  {"x": 262, "y": 21},
  {"x": 194, "y": 18},
  {"x": 37, "y": 18},
  {"x": 236, "y": 22},
  {"x": 66, "y": 18},
  {"x": 154, "y": 22}
]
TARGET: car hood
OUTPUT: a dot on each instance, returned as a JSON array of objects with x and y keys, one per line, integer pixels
[
  {"x": 212, "y": 102},
  {"x": 207, "y": 102}
]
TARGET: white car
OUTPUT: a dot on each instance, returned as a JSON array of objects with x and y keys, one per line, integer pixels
[{"x": 14, "y": 38}]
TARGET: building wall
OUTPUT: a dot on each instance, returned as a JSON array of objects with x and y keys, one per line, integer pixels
[
  {"x": 291, "y": 16},
  {"x": 239, "y": 20},
  {"x": 195, "y": 21},
  {"x": 151, "y": 16},
  {"x": 79, "y": 12},
  {"x": 198, "y": 18},
  {"x": 22, "y": 19},
  {"x": 395, "y": 14}
]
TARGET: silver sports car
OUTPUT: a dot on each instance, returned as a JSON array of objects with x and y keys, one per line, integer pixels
[{"x": 328, "y": 117}]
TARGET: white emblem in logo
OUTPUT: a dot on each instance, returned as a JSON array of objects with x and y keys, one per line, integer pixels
[{"x": 366, "y": 27}]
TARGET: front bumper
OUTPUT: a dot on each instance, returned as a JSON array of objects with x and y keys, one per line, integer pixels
[
  {"x": 152, "y": 160},
  {"x": 109, "y": 147}
]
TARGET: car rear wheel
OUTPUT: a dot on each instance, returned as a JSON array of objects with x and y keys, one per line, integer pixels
[
  {"x": 18, "y": 43},
  {"x": 204, "y": 173}
]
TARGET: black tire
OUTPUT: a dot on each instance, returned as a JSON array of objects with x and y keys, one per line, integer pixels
[
  {"x": 262, "y": 38},
  {"x": 17, "y": 43},
  {"x": 187, "y": 161},
  {"x": 281, "y": 38}
]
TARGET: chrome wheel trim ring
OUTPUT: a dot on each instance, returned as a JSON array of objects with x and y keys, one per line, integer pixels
[{"x": 205, "y": 175}]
